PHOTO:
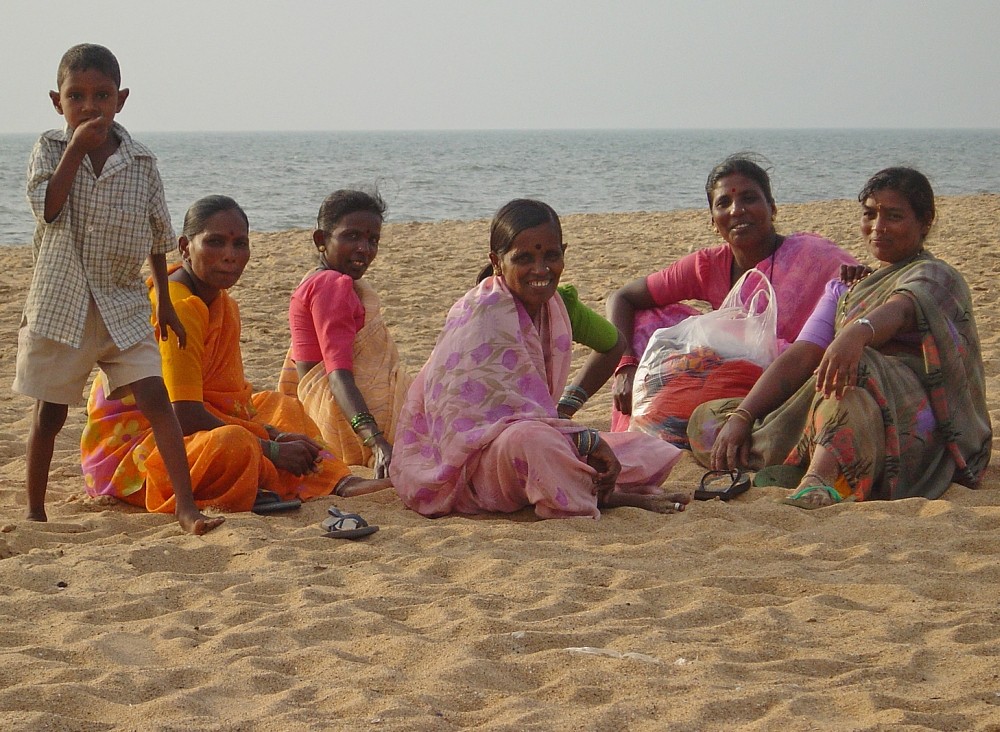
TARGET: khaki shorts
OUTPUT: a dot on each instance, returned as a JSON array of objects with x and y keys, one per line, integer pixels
[{"x": 54, "y": 372}]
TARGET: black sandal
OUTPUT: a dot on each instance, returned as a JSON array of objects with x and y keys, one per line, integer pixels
[
  {"x": 722, "y": 484},
  {"x": 270, "y": 502}
]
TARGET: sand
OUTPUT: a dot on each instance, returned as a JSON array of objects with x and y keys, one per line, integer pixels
[{"x": 748, "y": 615}]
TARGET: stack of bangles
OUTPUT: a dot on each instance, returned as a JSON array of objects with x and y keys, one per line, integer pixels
[
  {"x": 744, "y": 415},
  {"x": 363, "y": 420},
  {"x": 626, "y": 362},
  {"x": 272, "y": 449},
  {"x": 270, "y": 445},
  {"x": 586, "y": 441},
  {"x": 572, "y": 399}
]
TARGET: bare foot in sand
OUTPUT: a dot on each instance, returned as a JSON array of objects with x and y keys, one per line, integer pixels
[
  {"x": 656, "y": 502},
  {"x": 355, "y": 485},
  {"x": 195, "y": 522},
  {"x": 36, "y": 516}
]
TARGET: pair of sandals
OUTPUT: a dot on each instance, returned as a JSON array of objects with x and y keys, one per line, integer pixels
[
  {"x": 727, "y": 484},
  {"x": 339, "y": 525}
]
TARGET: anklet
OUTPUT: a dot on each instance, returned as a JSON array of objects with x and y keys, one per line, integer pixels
[{"x": 816, "y": 476}]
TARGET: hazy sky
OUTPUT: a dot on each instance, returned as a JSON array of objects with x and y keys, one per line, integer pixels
[{"x": 514, "y": 64}]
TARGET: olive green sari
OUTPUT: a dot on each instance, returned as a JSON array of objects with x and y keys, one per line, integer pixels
[{"x": 917, "y": 421}]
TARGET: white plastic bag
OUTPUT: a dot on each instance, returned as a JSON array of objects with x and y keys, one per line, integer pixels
[{"x": 745, "y": 327}]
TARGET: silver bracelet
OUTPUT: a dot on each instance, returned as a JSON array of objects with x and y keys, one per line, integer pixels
[{"x": 866, "y": 321}]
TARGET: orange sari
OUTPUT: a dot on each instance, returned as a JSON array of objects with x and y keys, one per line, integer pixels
[{"x": 119, "y": 455}]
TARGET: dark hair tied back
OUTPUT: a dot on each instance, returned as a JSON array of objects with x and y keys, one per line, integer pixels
[
  {"x": 911, "y": 183},
  {"x": 748, "y": 164},
  {"x": 513, "y": 218},
  {"x": 203, "y": 209},
  {"x": 340, "y": 203}
]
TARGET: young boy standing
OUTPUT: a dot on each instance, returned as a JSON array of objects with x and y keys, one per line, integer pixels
[{"x": 100, "y": 212}]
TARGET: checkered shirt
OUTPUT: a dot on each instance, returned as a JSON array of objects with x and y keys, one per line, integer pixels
[{"x": 97, "y": 245}]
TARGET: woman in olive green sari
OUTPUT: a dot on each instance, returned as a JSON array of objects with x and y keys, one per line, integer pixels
[{"x": 883, "y": 395}]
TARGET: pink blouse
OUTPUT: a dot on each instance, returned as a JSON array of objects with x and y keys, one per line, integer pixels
[
  {"x": 799, "y": 271},
  {"x": 324, "y": 316}
]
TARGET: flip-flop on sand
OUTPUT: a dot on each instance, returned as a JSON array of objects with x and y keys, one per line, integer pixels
[
  {"x": 723, "y": 484},
  {"x": 342, "y": 525},
  {"x": 270, "y": 502},
  {"x": 799, "y": 500}
]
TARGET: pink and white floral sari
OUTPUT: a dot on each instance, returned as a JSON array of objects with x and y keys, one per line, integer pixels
[{"x": 479, "y": 430}]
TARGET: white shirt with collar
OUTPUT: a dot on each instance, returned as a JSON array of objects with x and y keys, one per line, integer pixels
[{"x": 97, "y": 245}]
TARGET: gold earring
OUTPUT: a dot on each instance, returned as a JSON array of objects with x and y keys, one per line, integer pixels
[{"x": 322, "y": 248}]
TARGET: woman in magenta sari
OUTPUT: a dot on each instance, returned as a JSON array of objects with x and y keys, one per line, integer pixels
[
  {"x": 480, "y": 429},
  {"x": 743, "y": 211}
]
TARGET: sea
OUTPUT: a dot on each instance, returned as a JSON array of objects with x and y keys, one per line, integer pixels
[{"x": 280, "y": 178}]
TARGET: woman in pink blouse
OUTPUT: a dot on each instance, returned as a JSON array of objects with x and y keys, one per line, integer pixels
[
  {"x": 343, "y": 365},
  {"x": 742, "y": 210}
]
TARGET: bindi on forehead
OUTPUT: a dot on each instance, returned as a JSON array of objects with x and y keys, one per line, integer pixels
[{"x": 538, "y": 247}]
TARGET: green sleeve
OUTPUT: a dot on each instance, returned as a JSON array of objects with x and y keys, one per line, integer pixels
[{"x": 589, "y": 328}]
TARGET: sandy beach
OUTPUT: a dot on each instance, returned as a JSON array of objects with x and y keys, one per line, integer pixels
[{"x": 748, "y": 615}]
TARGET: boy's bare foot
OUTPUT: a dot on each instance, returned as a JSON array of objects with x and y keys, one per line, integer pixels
[
  {"x": 39, "y": 515},
  {"x": 195, "y": 522},
  {"x": 658, "y": 503},
  {"x": 355, "y": 485}
]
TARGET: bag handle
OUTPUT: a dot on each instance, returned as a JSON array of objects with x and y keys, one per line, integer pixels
[{"x": 764, "y": 289}]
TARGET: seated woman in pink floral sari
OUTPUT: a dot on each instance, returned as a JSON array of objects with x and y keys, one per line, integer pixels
[{"x": 480, "y": 429}]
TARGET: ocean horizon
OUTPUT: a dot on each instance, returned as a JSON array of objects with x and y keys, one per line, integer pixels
[{"x": 281, "y": 178}]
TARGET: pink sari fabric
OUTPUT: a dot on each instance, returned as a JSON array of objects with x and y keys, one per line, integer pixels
[{"x": 479, "y": 430}]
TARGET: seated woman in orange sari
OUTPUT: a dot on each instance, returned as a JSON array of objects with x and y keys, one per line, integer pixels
[{"x": 238, "y": 443}]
